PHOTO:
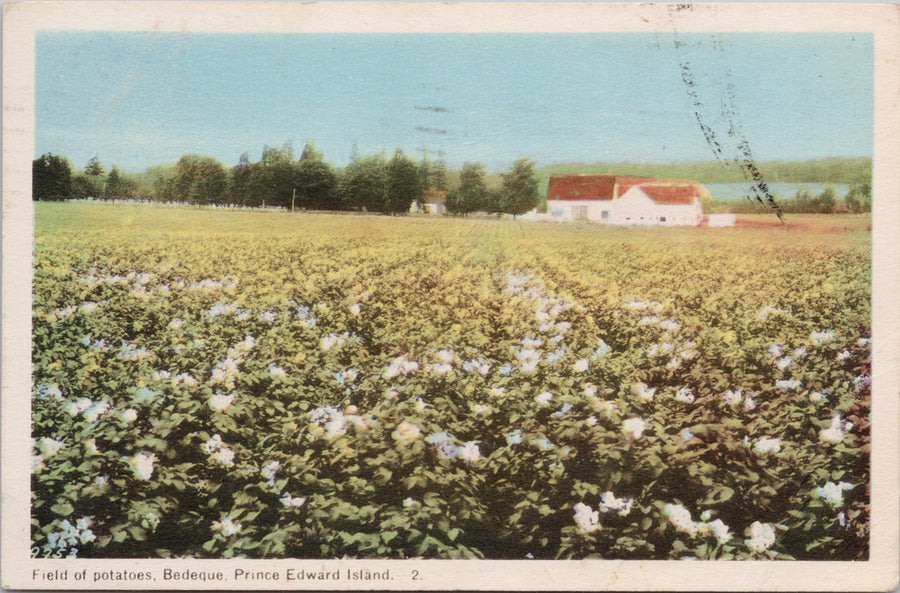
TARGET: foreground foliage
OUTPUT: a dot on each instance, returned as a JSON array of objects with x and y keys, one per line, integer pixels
[{"x": 279, "y": 385}]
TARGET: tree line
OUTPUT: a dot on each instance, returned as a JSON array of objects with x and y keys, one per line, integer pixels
[
  {"x": 843, "y": 170},
  {"x": 372, "y": 183},
  {"x": 858, "y": 199}
]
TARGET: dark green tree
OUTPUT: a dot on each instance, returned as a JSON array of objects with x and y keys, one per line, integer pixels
[
  {"x": 316, "y": 181},
  {"x": 826, "y": 200},
  {"x": 51, "y": 178},
  {"x": 404, "y": 183},
  {"x": 363, "y": 185},
  {"x": 439, "y": 178},
  {"x": 520, "y": 188},
  {"x": 94, "y": 168},
  {"x": 239, "y": 190},
  {"x": 92, "y": 182},
  {"x": 199, "y": 180},
  {"x": 472, "y": 193},
  {"x": 119, "y": 185},
  {"x": 859, "y": 198}
]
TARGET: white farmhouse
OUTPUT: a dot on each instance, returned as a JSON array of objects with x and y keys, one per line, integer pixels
[{"x": 615, "y": 199}]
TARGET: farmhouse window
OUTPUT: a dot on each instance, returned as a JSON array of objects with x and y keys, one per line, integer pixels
[
  {"x": 662, "y": 218},
  {"x": 604, "y": 215},
  {"x": 579, "y": 212}
]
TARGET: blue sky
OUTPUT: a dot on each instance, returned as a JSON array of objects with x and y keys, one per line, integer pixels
[{"x": 137, "y": 99}]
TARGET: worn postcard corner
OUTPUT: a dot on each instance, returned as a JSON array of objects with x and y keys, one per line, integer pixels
[{"x": 441, "y": 296}]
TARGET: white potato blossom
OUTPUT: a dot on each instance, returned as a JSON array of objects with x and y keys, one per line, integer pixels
[
  {"x": 787, "y": 384},
  {"x": 531, "y": 342},
  {"x": 185, "y": 379},
  {"x": 670, "y": 325},
  {"x": 767, "y": 445},
  {"x": 544, "y": 398},
  {"x": 292, "y": 501},
  {"x": 409, "y": 501},
  {"x": 400, "y": 366},
  {"x": 587, "y": 519},
  {"x": 719, "y": 530},
  {"x": 680, "y": 517},
  {"x": 143, "y": 464},
  {"x": 686, "y": 434},
  {"x": 776, "y": 350},
  {"x": 470, "y": 451},
  {"x": 276, "y": 371},
  {"x": 601, "y": 350},
  {"x": 446, "y": 356},
  {"x": 227, "y": 526},
  {"x": 79, "y": 406},
  {"x": 749, "y": 402},
  {"x": 130, "y": 415},
  {"x": 225, "y": 456},
  {"x": 582, "y": 365},
  {"x": 336, "y": 426},
  {"x": 817, "y": 396},
  {"x": 50, "y": 446},
  {"x": 644, "y": 392},
  {"x": 821, "y": 336},
  {"x": 220, "y": 401},
  {"x": 270, "y": 469},
  {"x": 836, "y": 432},
  {"x": 769, "y": 310},
  {"x": 833, "y": 493},
  {"x": 634, "y": 426},
  {"x": 843, "y": 355},
  {"x": 355, "y": 308},
  {"x": 97, "y": 411},
  {"x": 784, "y": 363},
  {"x": 610, "y": 504},
  {"x": 529, "y": 359},
  {"x": 213, "y": 444},
  {"x": 441, "y": 368},
  {"x": 685, "y": 394},
  {"x": 331, "y": 341},
  {"x": 481, "y": 409},
  {"x": 762, "y": 536}
]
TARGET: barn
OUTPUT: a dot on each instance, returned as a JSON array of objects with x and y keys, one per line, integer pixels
[{"x": 626, "y": 200}]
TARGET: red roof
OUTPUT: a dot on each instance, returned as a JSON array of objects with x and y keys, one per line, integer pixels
[
  {"x": 590, "y": 187},
  {"x": 610, "y": 187},
  {"x": 672, "y": 193}
]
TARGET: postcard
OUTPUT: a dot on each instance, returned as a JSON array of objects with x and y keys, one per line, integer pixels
[{"x": 442, "y": 296}]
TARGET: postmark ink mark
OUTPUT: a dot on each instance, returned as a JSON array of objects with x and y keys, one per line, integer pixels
[{"x": 742, "y": 156}]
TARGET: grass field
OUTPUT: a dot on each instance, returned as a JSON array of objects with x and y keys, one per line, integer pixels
[{"x": 220, "y": 383}]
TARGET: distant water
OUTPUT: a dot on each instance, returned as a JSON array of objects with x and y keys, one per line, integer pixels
[{"x": 724, "y": 192}]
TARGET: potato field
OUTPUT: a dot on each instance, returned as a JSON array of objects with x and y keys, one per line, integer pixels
[{"x": 211, "y": 383}]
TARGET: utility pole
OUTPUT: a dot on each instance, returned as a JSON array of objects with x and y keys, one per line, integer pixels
[{"x": 293, "y": 197}]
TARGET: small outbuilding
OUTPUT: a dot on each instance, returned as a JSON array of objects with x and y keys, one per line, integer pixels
[{"x": 434, "y": 201}]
